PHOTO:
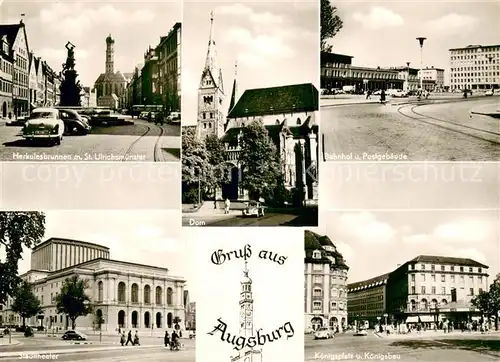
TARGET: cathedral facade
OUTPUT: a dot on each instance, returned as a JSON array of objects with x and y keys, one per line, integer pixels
[
  {"x": 289, "y": 113},
  {"x": 110, "y": 85}
]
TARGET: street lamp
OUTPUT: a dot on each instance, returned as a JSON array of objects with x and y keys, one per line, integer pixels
[
  {"x": 421, "y": 42},
  {"x": 408, "y": 77}
]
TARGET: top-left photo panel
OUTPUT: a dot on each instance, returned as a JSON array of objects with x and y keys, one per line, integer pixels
[{"x": 90, "y": 81}]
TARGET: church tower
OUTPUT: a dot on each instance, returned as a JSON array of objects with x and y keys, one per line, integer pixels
[
  {"x": 210, "y": 93},
  {"x": 234, "y": 94},
  {"x": 110, "y": 55}
]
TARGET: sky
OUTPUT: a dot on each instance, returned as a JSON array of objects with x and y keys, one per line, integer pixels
[
  {"x": 384, "y": 34},
  {"x": 51, "y": 24},
  {"x": 273, "y": 43},
  {"x": 277, "y": 289},
  {"x": 409, "y": 186},
  {"x": 144, "y": 237},
  {"x": 374, "y": 243}
]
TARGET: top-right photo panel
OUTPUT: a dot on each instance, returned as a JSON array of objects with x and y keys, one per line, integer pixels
[{"x": 410, "y": 81}]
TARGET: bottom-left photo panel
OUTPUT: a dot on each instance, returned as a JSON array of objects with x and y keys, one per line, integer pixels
[{"x": 95, "y": 286}]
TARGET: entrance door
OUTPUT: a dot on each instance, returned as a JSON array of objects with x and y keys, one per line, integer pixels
[{"x": 230, "y": 190}]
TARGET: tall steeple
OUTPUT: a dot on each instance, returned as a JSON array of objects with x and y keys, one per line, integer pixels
[
  {"x": 211, "y": 62},
  {"x": 234, "y": 94},
  {"x": 110, "y": 55},
  {"x": 246, "y": 305}
]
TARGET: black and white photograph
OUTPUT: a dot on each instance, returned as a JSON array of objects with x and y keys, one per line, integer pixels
[
  {"x": 251, "y": 120},
  {"x": 410, "y": 81},
  {"x": 95, "y": 286},
  {"x": 90, "y": 81},
  {"x": 249, "y": 292},
  {"x": 403, "y": 285}
]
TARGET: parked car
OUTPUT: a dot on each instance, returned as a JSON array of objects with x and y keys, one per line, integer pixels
[
  {"x": 174, "y": 117},
  {"x": 192, "y": 334},
  {"x": 44, "y": 124},
  {"x": 74, "y": 336},
  {"x": 361, "y": 332},
  {"x": 20, "y": 121},
  {"x": 73, "y": 122},
  {"x": 399, "y": 94},
  {"x": 253, "y": 208},
  {"x": 323, "y": 333},
  {"x": 489, "y": 93}
]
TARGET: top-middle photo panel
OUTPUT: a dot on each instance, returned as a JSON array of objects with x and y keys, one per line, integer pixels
[{"x": 250, "y": 113}]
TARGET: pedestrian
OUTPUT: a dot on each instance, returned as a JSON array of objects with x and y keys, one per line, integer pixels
[
  {"x": 368, "y": 94},
  {"x": 10, "y": 116},
  {"x": 122, "y": 338},
  {"x": 227, "y": 205},
  {"x": 149, "y": 116},
  {"x": 136, "y": 339},
  {"x": 382, "y": 96},
  {"x": 129, "y": 338},
  {"x": 166, "y": 339}
]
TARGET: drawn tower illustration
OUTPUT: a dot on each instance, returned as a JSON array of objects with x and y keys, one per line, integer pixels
[
  {"x": 210, "y": 93},
  {"x": 247, "y": 354}
]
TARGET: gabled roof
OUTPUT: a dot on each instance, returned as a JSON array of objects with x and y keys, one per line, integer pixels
[
  {"x": 276, "y": 100},
  {"x": 10, "y": 30},
  {"x": 315, "y": 242}
]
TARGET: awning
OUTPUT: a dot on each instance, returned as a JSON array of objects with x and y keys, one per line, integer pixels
[
  {"x": 413, "y": 319},
  {"x": 426, "y": 319}
]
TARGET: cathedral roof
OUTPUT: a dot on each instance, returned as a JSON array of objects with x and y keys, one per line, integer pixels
[
  {"x": 304, "y": 128},
  {"x": 117, "y": 77},
  {"x": 10, "y": 30},
  {"x": 276, "y": 100},
  {"x": 273, "y": 131}
]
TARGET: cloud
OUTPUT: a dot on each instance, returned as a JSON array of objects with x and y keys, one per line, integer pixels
[
  {"x": 75, "y": 20},
  {"x": 264, "y": 18},
  {"x": 346, "y": 250},
  {"x": 379, "y": 18},
  {"x": 452, "y": 24},
  {"x": 365, "y": 228},
  {"x": 148, "y": 231}
]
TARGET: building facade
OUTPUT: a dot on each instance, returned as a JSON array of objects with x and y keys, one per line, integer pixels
[
  {"x": 169, "y": 69},
  {"x": 475, "y": 67},
  {"x": 433, "y": 288},
  {"x": 325, "y": 288},
  {"x": 433, "y": 76},
  {"x": 366, "y": 300},
  {"x": 149, "y": 73},
  {"x": 6, "y": 74},
  {"x": 124, "y": 295},
  {"x": 337, "y": 72},
  {"x": 110, "y": 85}
]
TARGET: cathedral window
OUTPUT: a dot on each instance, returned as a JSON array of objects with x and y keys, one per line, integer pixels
[
  {"x": 204, "y": 125},
  {"x": 204, "y": 116},
  {"x": 210, "y": 125},
  {"x": 211, "y": 115}
]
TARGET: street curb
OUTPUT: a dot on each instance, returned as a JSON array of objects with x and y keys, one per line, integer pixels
[
  {"x": 194, "y": 210},
  {"x": 69, "y": 350},
  {"x": 14, "y": 342},
  {"x": 346, "y": 104}
]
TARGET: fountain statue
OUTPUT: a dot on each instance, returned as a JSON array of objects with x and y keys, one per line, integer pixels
[{"x": 70, "y": 87}]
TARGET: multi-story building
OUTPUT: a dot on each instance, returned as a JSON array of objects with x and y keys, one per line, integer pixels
[
  {"x": 432, "y": 77},
  {"x": 85, "y": 97},
  {"x": 337, "y": 71},
  {"x": 433, "y": 288},
  {"x": 57, "y": 89},
  {"x": 191, "y": 316},
  {"x": 169, "y": 69},
  {"x": 110, "y": 85},
  {"x": 149, "y": 77},
  {"x": 14, "y": 37},
  {"x": 6, "y": 71},
  {"x": 123, "y": 294},
  {"x": 325, "y": 288},
  {"x": 33, "y": 81},
  {"x": 49, "y": 76},
  {"x": 409, "y": 76},
  {"x": 475, "y": 67},
  {"x": 41, "y": 82},
  {"x": 366, "y": 300}
]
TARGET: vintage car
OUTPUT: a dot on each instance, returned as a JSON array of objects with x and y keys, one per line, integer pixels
[
  {"x": 174, "y": 117},
  {"x": 360, "y": 333},
  {"x": 74, "y": 335},
  {"x": 489, "y": 93},
  {"x": 323, "y": 333},
  {"x": 253, "y": 208},
  {"x": 73, "y": 122},
  {"x": 44, "y": 124}
]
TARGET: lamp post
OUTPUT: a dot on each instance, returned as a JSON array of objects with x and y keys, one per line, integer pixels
[
  {"x": 408, "y": 77},
  {"x": 421, "y": 42}
]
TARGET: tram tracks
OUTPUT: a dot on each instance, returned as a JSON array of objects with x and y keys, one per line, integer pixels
[
  {"x": 157, "y": 151},
  {"x": 484, "y": 135}
]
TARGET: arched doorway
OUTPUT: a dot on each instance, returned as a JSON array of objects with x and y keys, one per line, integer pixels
[
  {"x": 169, "y": 320},
  {"x": 121, "y": 319},
  {"x": 316, "y": 323},
  {"x": 135, "y": 317},
  {"x": 230, "y": 190},
  {"x": 4, "y": 109},
  {"x": 158, "y": 320},
  {"x": 147, "y": 322},
  {"x": 333, "y": 322},
  {"x": 343, "y": 323}
]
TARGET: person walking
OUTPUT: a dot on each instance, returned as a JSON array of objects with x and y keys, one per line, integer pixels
[
  {"x": 129, "y": 338},
  {"x": 122, "y": 338},
  {"x": 382, "y": 96},
  {"x": 166, "y": 339},
  {"x": 136, "y": 339},
  {"x": 227, "y": 205}
]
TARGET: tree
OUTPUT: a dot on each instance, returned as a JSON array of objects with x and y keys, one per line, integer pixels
[
  {"x": 259, "y": 159},
  {"x": 17, "y": 230},
  {"x": 72, "y": 299},
  {"x": 219, "y": 168},
  {"x": 489, "y": 302},
  {"x": 25, "y": 303},
  {"x": 330, "y": 24}
]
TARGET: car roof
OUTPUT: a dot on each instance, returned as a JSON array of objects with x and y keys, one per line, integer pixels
[{"x": 42, "y": 109}]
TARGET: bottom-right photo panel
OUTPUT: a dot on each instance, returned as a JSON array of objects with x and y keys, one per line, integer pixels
[{"x": 403, "y": 285}]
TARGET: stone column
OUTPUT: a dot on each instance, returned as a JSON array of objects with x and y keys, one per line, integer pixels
[
  {"x": 313, "y": 146},
  {"x": 304, "y": 168}
]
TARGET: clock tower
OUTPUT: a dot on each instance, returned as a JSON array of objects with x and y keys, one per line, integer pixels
[
  {"x": 210, "y": 93},
  {"x": 246, "y": 320}
]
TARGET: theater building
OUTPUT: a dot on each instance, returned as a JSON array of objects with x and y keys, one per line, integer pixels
[
  {"x": 325, "y": 284},
  {"x": 126, "y": 295},
  {"x": 475, "y": 67},
  {"x": 366, "y": 300},
  {"x": 338, "y": 71}
]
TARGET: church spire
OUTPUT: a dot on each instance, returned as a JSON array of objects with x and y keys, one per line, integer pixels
[
  {"x": 234, "y": 94},
  {"x": 211, "y": 56}
]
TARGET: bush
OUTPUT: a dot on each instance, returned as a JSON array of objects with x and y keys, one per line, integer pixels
[{"x": 190, "y": 196}]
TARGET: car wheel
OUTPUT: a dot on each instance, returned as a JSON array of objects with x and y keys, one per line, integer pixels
[{"x": 58, "y": 141}]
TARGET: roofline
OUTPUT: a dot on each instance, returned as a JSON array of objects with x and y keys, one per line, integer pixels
[
  {"x": 342, "y": 55},
  {"x": 65, "y": 239},
  {"x": 475, "y": 47},
  {"x": 278, "y": 86},
  {"x": 448, "y": 263},
  {"x": 381, "y": 277}
]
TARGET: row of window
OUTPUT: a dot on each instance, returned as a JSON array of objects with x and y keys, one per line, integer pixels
[
  {"x": 318, "y": 279},
  {"x": 451, "y": 277},
  {"x": 318, "y": 292},
  {"x": 476, "y": 80},
  {"x": 374, "y": 307},
  {"x": 6, "y": 67},
  {"x": 445, "y": 268},
  {"x": 354, "y": 74},
  {"x": 5, "y": 87},
  {"x": 476, "y": 74},
  {"x": 462, "y": 69},
  {"x": 317, "y": 305},
  {"x": 424, "y": 290},
  {"x": 367, "y": 300},
  {"x": 473, "y": 56},
  {"x": 21, "y": 93},
  {"x": 21, "y": 62},
  {"x": 135, "y": 294}
]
